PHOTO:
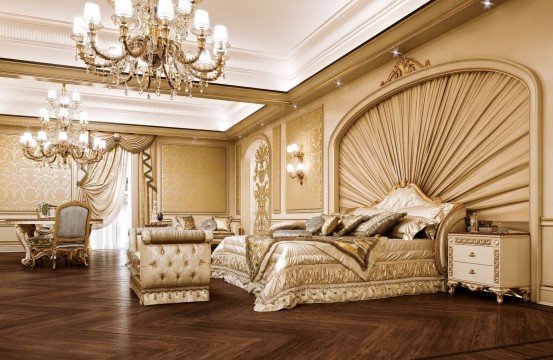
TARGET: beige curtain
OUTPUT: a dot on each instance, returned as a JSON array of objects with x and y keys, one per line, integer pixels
[
  {"x": 463, "y": 137},
  {"x": 104, "y": 183}
]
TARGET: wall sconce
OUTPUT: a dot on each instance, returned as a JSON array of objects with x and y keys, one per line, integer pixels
[{"x": 297, "y": 171}]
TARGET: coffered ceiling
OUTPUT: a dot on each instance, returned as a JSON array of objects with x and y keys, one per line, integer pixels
[{"x": 276, "y": 45}]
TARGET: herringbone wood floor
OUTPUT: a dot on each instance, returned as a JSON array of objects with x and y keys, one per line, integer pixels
[{"x": 78, "y": 313}]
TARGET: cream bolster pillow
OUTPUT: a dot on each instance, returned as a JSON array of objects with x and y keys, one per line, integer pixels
[
  {"x": 437, "y": 212},
  {"x": 291, "y": 234},
  {"x": 172, "y": 236},
  {"x": 293, "y": 225}
]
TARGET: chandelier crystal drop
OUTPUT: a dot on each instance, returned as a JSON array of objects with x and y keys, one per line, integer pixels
[
  {"x": 152, "y": 45},
  {"x": 63, "y": 133}
]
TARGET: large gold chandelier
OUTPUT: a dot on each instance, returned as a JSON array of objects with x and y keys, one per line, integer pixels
[
  {"x": 63, "y": 133},
  {"x": 151, "y": 45}
]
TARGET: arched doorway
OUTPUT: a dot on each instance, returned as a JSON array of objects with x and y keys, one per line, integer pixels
[{"x": 255, "y": 203}]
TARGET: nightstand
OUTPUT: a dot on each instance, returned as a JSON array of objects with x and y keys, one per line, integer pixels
[{"x": 499, "y": 263}]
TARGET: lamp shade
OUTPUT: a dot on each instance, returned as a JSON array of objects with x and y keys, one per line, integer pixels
[
  {"x": 44, "y": 114},
  {"x": 41, "y": 136},
  {"x": 92, "y": 14},
  {"x": 79, "y": 26},
  {"x": 165, "y": 10},
  {"x": 62, "y": 136},
  {"x": 201, "y": 20},
  {"x": 204, "y": 59},
  {"x": 52, "y": 94},
  {"x": 123, "y": 8},
  {"x": 220, "y": 34},
  {"x": 185, "y": 6},
  {"x": 290, "y": 168}
]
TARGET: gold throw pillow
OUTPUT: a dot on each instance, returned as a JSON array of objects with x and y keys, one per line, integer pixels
[
  {"x": 350, "y": 223},
  {"x": 295, "y": 225},
  {"x": 330, "y": 224},
  {"x": 187, "y": 222},
  {"x": 379, "y": 224},
  {"x": 223, "y": 222}
]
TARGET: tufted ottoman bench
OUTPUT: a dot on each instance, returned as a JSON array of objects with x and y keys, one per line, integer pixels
[{"x": 169, "y": 266}]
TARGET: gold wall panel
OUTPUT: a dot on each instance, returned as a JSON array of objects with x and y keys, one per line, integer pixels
[
  {"x": 193, "y": 179},
  {"x": 276, "y": 168},
  {"x": 238, "y": 172},
  {"x": 261, "y": 191},
  {"x": 307, "y": 130},
  {"x": 23, "y": 185}
]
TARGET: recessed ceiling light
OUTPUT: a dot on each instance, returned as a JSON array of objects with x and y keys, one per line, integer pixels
[
  {"x": 295, "y": 106},
  {"x": 487, "y": 4},
  {"x": 396, "y": 53},
  {"x": 339, "y": 83}
]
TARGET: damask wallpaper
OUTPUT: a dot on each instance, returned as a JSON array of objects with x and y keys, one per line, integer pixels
[
  {"x": 193, "y": 179},
  {"x": 24, "y": 184},
  {"x": 307, "y": 131},
  {"x": 276, "y": 169}
]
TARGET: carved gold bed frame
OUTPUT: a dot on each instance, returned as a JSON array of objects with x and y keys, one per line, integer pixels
[{"x": 454, "y": 222}]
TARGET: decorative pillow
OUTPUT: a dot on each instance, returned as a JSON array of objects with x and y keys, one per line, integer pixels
[
  {"x": 330, "y": 224},
  {"x": 430, "y": 232},
  {"x": 409, "y": 226},
  {"x": 209, "y": 225},
  {"x": 175, "y": 223},
  {"x": 401, "y": 198},
  {"x": 286, "y": 234},
  {"x": 435, "y": 212},
  {"x": 350, "y": 223},
  {"x": 379, "y": 224},
  {"x": 223, "y": 222},
  {"x": 315, "y": 224},
  {"x": 295, "y": 225},
  {"x": 187, "y": 222}
]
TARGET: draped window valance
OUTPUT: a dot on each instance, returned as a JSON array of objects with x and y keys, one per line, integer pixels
[
  {"x": 463, "y": 137},
  {"x": 103, "y": 184}
]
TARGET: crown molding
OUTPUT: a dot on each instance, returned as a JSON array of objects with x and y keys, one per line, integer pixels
[{"x": 15, "y": 124}]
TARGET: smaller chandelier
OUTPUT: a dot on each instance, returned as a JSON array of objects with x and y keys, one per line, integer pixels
[
  {"x": 152, "y": 45},
  {"x": 63, "y": 134}
]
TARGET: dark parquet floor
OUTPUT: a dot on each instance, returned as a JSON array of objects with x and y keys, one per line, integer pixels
[{"x": 79, "y": 313}]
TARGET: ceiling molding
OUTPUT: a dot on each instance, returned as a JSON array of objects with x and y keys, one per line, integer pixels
[
  {"x": 18, "y": 122},
  {"x": 78, "y": 76}
]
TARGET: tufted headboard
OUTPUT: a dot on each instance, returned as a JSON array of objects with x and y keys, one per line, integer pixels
[{"x": 407, "y": 194}]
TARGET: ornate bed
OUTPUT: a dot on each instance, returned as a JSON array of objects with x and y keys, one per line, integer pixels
[{"x": 299, "y": 271}]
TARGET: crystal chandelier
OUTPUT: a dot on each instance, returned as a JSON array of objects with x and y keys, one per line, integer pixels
[
  {"x": 64, "y": 135},
  {"x": 152, "y": 46}
]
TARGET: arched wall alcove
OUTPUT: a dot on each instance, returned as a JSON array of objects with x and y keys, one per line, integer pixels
[
  {"x": 248, "y": 185},
  {"x": 466, "y": 131}
]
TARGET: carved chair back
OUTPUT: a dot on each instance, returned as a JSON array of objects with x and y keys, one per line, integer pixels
[{"x": 72, "y": 223}]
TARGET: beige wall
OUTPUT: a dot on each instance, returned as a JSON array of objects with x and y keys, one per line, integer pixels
[
  {"x": 512, "y": 31},
  {"x": 23, "y": 185},
  {"x": 193, "y": 176}
]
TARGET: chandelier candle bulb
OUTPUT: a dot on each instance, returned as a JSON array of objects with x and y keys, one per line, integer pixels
[
  {"x": 63, "y": 113},
  {"x": 52, "y": 94},
  {"x": 204, "y": 59},
  {"x": 290, "y": 168},
  {"x": 165, "y": 10},
  {"x": 201, "y": 20},
  {"x": 123, "y": 8},
  {"x": 301, "y": 167},
  {"x": 92, "y": 14},
  {"x": 62, "y": 136},
  {"x": 76, "y": 96}
]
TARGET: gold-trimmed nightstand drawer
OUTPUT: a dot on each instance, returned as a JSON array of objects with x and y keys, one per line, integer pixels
[
  {"x": 482, "y": 274},
  {"x": 473, "y": 254}
]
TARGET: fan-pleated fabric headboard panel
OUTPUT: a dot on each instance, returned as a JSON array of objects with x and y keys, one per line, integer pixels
[{"x": 463, "y": 137}]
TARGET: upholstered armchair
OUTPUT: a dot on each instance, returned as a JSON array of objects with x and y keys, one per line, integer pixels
[
  {"x": 69, "y": 238},
  {"x": 169, "y": 266},
  {"x": 71, "y": 232}
]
